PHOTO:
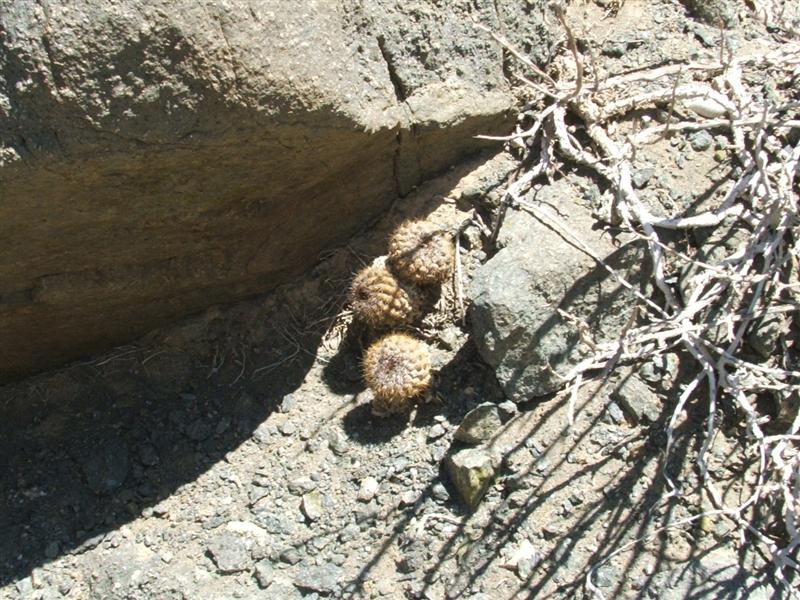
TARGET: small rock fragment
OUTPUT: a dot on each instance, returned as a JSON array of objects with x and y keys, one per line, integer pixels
[
  {"x": 290, "y": 556},
  {"x": 524, "y": 559},
  {"x": 312, "y": 505},
  {"x": 301, "y": 485},
  {"x": 229, "y": 552},
  {"x": 264, "y": 573},
  {"x": 323, "y": 579},
  {"x": 107, "y": 468},
  {"x": 282, "y": 590},
  {"x": 436, "y": 431},
  {"x": 471, "y": 471},
  {"x": 480, "y": 424},
  {"x": 368, "y": 489},
  {"x": 637, "y": 399},
  {"x": 642, "y": 177},
  {"x": 701, "y": 140},
  {"x": 507, "y": 409}
]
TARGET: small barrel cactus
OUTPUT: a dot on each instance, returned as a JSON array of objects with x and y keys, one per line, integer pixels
[
  {"x": 397, "y": 368},
  {"x": 379, "y": 299},
  {"x": 421, "y": 252}
]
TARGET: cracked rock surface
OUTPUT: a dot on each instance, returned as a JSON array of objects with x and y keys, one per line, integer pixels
[{"x": 160, "y": 157}]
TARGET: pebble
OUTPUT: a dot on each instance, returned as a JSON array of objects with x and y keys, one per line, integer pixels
[
  {"x": 436, "y": 432},
  {"x": 508, "y": 410},
  {"x": 264, "y": 573},
  {"x": 367, "y": 513},
  {"x": 323, "y": 578},
  {"x": 439, "y": 492},
  {"x": 701, "y": 140},
  {"x": 367, "y": 489},
  {"x": 471, "y": 470},
  {"x": 148, "y": 455},
  {"x": 301, "y": 485},
  {"x": 229, "y": 552},
  {"x": 338, "y": 559},
  {"x": 637, "y": 399},
  {"x": 106, "y": 469},
  {"x": 312, "y": 505},
  {"x": 408, "y": 498},
  {"x": 51, "y": 550},
  {"x": 336, "y": 441},
  {"x": 291, "y": 556},
  {"x": 349, "y": 533},
  {"x": 615, "y": 412},
  {"x": 604, "y": 576},
  {"x": 288, "y": 403},
  {"x": 642, "y": 177},
  {"x": 288, "y": 428},
  {"x": 480, "y": 424}
]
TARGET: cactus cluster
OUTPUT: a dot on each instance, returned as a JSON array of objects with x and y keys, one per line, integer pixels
[{"x": 384, "y": 295}]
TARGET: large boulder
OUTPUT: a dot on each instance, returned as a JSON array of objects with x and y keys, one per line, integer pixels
[
  {"x": 159, "y": 157},
  {"x": 516, "y": 295}
]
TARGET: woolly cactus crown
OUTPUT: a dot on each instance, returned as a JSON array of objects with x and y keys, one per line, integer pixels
[
  {"x": 421, "y": 252},
  {"x": 397, "y": 368},
  {"x": 379, "y": 299}
]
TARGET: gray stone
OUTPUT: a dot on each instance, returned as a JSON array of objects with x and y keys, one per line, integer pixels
[
  {"x": 336, "y": 441},
  {"x": 148, "y": 455},
  {"x": 479, "y": 424},
  {"x": 517, "y": 293},
  {"x": 714, "y": 12},
  {"x": 183, "y": 158},
  {"x": 764, "y": 336},
  {"x": 605, "y": 576},
  {"x": 264, "y": 573},
  {"x": 643, "y": 176},
  {"x": 229, "y": 552},
  {"x": 312, "y": 505},
  {"x": 291, "y": 556},
  {"x": 436, "y": 431},
  {"x": 199, "y": 430},
  {"x": 367, "y": 489},
  {"x": 471, "y": 470},
  {"x": 324, "y": 578},
  {"x": 301, "y": 485},
  {"x": 701, "y": 140},
  {"x": 507, "y": 410},
  {"x": 288, "y": 428},
  {"x": 615, "y": 412},
  {"x": 51, "y": 551},
  {"x": 636, "y": 398},
  {"x": 289, "y": 402},
  {"x": 107, "y": 468},
  {"x": 440, "y": 492},
  {"x": 276, "y": 524},
  {"x": 281, "y": 590}
]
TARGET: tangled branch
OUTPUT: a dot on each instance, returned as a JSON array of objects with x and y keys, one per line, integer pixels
[{"x": 710, "y": 311}]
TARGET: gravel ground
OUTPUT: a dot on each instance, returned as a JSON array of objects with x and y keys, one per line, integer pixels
[{"x": 235, "y": 455}]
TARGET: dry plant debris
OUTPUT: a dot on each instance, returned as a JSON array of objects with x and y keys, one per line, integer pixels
[{"x": 586, "y": 121}]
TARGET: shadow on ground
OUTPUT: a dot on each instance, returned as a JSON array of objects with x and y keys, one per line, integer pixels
[{"x": 88, "y": 448}]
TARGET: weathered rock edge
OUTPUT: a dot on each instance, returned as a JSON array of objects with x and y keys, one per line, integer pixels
[{"x": 159, "y": 158}]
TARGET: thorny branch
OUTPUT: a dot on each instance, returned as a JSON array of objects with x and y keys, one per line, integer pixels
[{"x": 756, "y": 280}]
